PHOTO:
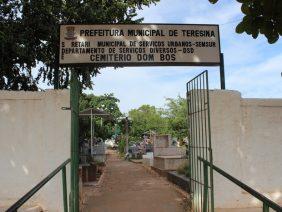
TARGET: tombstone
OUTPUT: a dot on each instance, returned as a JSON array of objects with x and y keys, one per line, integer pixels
[
  {"x": 99, "y": 152},
  {"x": 167, "y": 156}
]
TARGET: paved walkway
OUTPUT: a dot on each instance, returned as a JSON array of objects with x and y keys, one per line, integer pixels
[{"x": 129, "y": 187}]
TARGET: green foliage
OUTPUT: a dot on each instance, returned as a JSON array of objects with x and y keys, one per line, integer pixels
[
  {"x": 184, "y": 169},
  {"x": 107, "y": 103},
  {"x": 176, "y": 113},
  {"x": 146, "y": 118},
  {"x": 121, "y": 146},
  {"x": 169, "y": 120},
  {"x": 261, "y": 17},
  {"x": 29, "y": 34}
]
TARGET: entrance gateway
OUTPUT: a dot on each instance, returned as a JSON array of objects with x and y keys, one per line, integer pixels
[{"x": 113, "y": 45}]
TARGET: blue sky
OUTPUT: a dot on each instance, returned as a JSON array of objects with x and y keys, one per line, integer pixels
[{"x": 252, "y": 67}]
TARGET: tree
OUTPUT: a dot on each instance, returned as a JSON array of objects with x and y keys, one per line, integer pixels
[
  {"x": 29, "y": 36},
  {"x": 176, "y": 114},
  {"x": 169, "y": 120},
  {"x": 146, "y": 118},
  {"x": 107, "y": 103},
  {"x": 261, "y": 17}
]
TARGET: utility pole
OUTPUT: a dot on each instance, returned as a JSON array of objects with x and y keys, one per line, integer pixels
[{"x": 126, "y": 134}]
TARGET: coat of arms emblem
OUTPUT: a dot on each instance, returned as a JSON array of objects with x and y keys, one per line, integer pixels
[{"x": 70, "y": 34}]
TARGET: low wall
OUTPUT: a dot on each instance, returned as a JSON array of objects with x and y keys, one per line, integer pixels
[
  {"x": 34, "y": 140},
  {"x": 180, "y": 180},
  {"x": 247, "y": 143}
]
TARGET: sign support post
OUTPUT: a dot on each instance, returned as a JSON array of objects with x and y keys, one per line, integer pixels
[
  {"x": 74, "y": 101},
  {"x": 222, "y": 74}
]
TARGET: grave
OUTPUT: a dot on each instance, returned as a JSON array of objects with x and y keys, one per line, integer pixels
[
  {"x": 148, "y": 159},
  {"x": 167, "y": 155},
  {"x": 99, "y": 152}
]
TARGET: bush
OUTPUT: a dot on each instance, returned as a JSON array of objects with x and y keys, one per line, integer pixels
[
  {"x": 121, "y": 147},
  {"x": 184, "y": 169}
]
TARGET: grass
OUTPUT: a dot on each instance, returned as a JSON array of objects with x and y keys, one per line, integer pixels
[{"x": 184, "y": 169}]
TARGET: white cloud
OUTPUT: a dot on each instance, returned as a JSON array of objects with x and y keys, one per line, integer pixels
[
  {"x": 262, "y": 80},
  {"x": 213, "y": 14},
  {"x": 137, "y": 86}
]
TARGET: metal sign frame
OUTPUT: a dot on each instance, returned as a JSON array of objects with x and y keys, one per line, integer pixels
[{"x": 132, "y": 64}]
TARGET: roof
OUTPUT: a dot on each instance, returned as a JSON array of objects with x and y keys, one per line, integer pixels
[{"x": 95, "y": 112}]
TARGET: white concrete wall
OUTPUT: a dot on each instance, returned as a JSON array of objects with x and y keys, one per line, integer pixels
[
  {"x": 34, "y": 140},
  {"x": 247, "y": 143}
]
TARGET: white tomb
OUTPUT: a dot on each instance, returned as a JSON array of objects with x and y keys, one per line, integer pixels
[{"x": 167, "y": 156}]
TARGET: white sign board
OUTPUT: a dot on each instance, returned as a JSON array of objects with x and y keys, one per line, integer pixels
[{"x": 139, "y": 44}]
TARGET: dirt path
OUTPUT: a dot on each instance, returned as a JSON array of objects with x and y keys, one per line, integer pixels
[{"x": 129, "y": 187}]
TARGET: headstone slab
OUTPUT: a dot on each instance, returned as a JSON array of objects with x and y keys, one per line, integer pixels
[
  {"x": 170, "y": 151},
  {"x": 162, "y": 141}
]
